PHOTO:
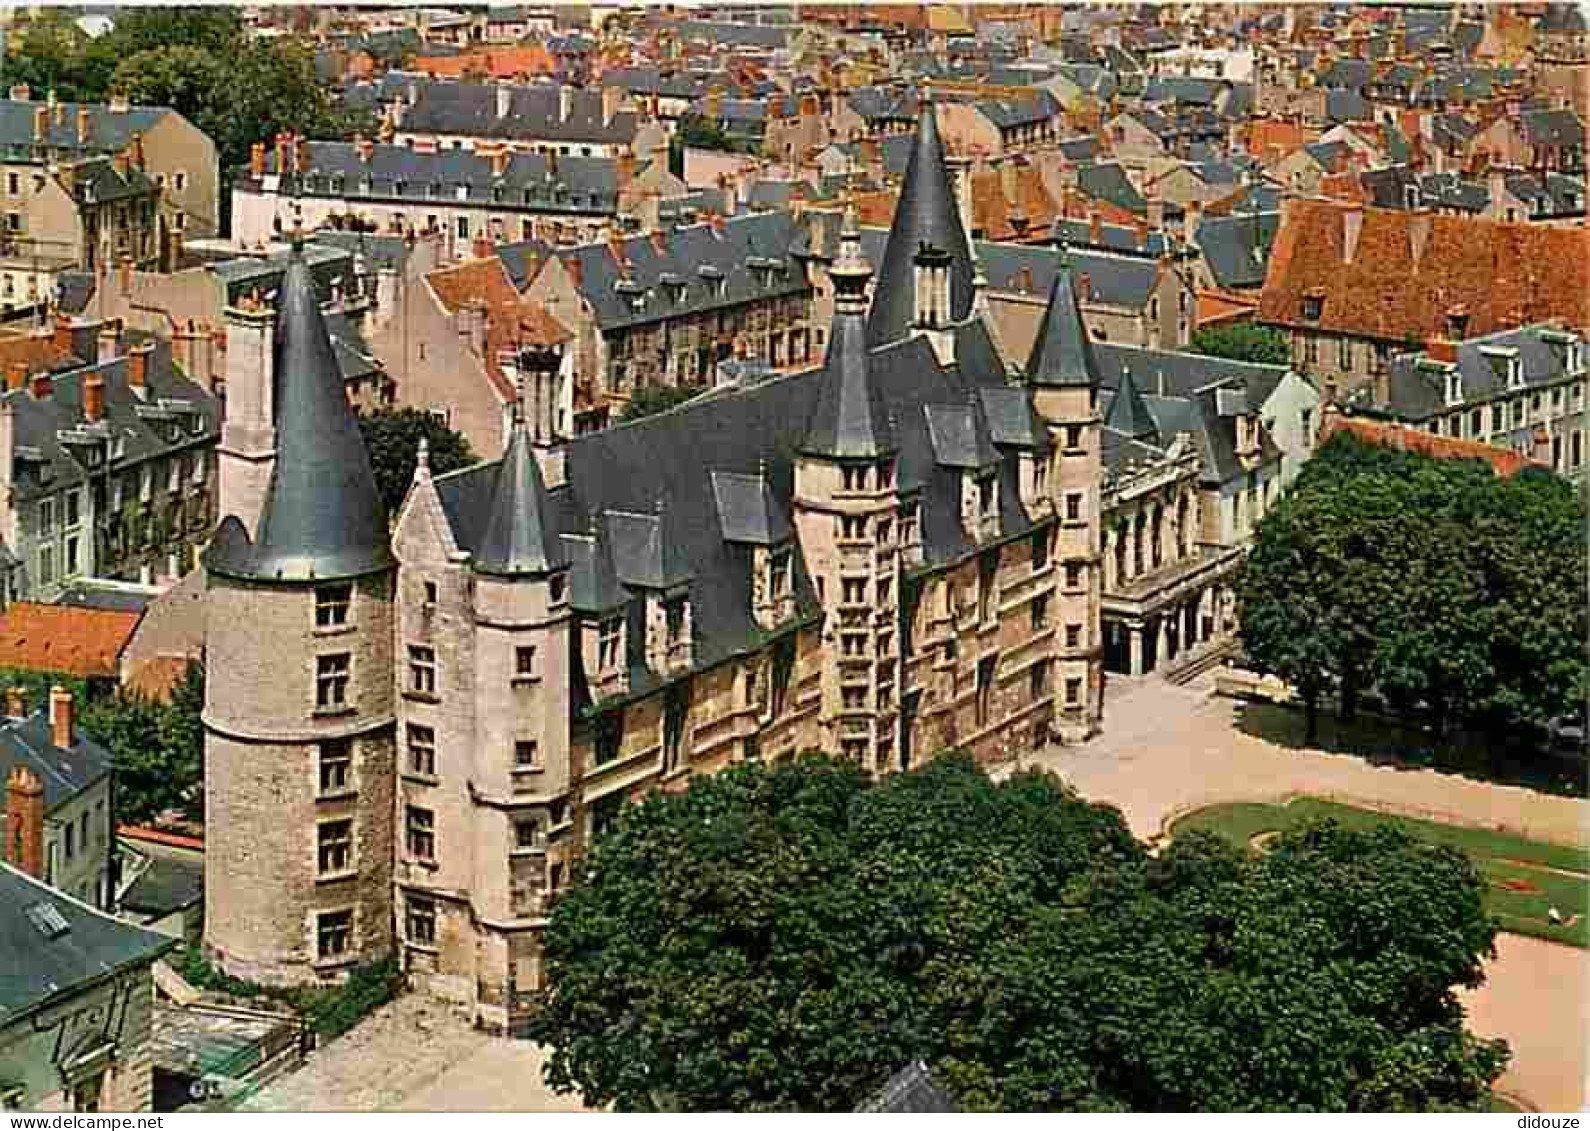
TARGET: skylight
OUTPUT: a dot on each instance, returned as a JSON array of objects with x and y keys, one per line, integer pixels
[{"x": 48, "y": 920}]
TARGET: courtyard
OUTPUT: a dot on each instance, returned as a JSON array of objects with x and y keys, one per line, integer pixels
[{"x": 1169, "y": 751}]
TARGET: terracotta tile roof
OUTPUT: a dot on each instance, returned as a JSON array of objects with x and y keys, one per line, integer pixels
[
  {"x": 159, "y": 836},
  {"x": 498, "y": 63},
  {"x": 59, "y": 638},
  {"x": 1343, "y": 186},
  {"x": 510, "y": 319},
  {"x": 39, "y": 352},
  {"x": 1272, "y": 138},
  {"x": 992, "y": 208},
  {"x": 1409, "y": 269},
  {"x": 1217, "y": 307},
  {"x": 1503, "y": 462}
]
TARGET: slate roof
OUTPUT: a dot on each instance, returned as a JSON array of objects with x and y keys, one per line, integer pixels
[
  {"x": 531, "y": 181},
  {"x": 41, "y": 969},
  {"x": 913, "y": 1091},
  {"x": 518, "y": 537},
  {"x": 167, "y": 883},
  {"x": 322, "y": 518},
  {"x": 850, "y": 420},
  {"x": 1062, "y": 353},
  {"x": 690, "y": 269},
  {"x": 1417, "y": 384},
  {"x": 1109, "y": 182},
  {"x": 1237, "y": 248},
  {"x": 64, "y": 772},
  {"x": 1561, "y": 128},
  {"x": 1128, "y": 414},
  {"x": 926, "y": 214},
  {"x": 109, "y": 131},
  {"x": 534, "y": 111}
]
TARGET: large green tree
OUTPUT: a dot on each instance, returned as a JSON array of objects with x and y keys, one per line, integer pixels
[
  {"x": 1449, "y": 590},
  {"x": 784, "y": 937},
  {"x": 393, "y": 437},
  {"x": 1243, "y": 341},
  {"x": 158, "y": 748}
]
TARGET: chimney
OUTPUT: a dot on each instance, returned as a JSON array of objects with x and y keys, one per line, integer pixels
[
  {"x": 137, "y": 148},
  {"x": 300, "y": 155},
  {"x": 1095, "y": 227},
  {"x": 283, "y": 142},
  {"x": 24, "y": 845},
  {"x": 123, "y": 163},
  {"x": 1352, "y": 226},
  {"x": 84, "y": 125},
  {"x": 41, "y": 123},
  {"x": 1084, "y": 287},
  {"x": 626, "y": 168},
  {"x": 611, "y": 95},
  {"x": 43, "y": 386},
  {"x": 94, "y": 398},
  {"x": 16, "y": 703},
  {"x": 1440, "y": 349},
  {"x": 16, "y": 376},
  {"x": 61, "y": 717},
  {"x": 565, "y": 102},
  {"x": 715, "y": 103},
  {"x": 138, "y": 368},
  {"x": 108, "y": 341},
  {"x": 504, "y": 100},
  {"x": 1192, "y": 215},
  {"x": 499, "y": 160},
  {"x": 481, "y": 248},
  {"x": 124, "y": 273},
  {"x": 256, "y": 160}
]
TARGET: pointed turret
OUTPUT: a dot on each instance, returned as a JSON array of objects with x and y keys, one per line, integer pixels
[
  {"x": 1129, "y": 413},
  {"x": 927, "y": 216},
  {"x": 519, "y": 536},
  {"x": 323, "y": 517},
  {"x": 1062, "y": 355},
  {"x": 849, "y": 420}
]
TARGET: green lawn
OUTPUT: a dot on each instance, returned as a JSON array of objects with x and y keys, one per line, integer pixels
[{"x": 1542, "y": 875}]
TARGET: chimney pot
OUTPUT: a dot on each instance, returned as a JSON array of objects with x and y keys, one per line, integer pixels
[
  {"x": 61, "y": 717},
  {"x": 138, "y": 366},
  {"x": 24, "y": 831},
  {"x": 94, "y": 398},
  {"x": 43, "y": 386},
  {"x": 16, "y": 376}
]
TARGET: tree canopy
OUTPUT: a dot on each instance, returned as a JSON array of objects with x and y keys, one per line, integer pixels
[
  {"x": 158, "y": 748},
  {"x": 393, "y": 437},
  {"x": 785, "y": 937},
  {"x": 1434, "y": 582},
  {"x": 1244, "y": 341}
]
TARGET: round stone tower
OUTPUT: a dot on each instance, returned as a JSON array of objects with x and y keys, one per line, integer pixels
[{"x": 299, "y": 719}]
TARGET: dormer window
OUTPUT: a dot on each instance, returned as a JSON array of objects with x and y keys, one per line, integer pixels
[
  {"x": 1457, "y": 324},
  {"x": 1454, "y": 387},
  {"x": 1575, "y": 357},
  {"x": 609, "y": 637},
  {"x": 778, "y": 572},
  {"x": 674, "y": 620},
  {"x": 1313, "y": 307},
  {"x": 853, "y": 477},
  {"x": 987, "y": 497}
]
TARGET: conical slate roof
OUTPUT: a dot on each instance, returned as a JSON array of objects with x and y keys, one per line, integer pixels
[
  {"x": 1061, "y": 354},
  {"x": 322, "y": 518},
  {"x": 849, "y": 420},
  {"x": 1129, "y": 413},
  {"x": 519, "y": 536},
  {"x": 927, "y": 213}
]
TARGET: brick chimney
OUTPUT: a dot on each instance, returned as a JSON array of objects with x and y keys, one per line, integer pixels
[
  {"x": 1084, "y": 287},
  {"x": 256, "y": 160},
  {"x": 136, "y": 148},
  {"x": 108, "y": 341},
  {"x": 16, "y": 702},
  {"x": 24, "y": 846},
  {"x": 1440, "y": 349},
  {"x": 138, "y": 368},
  {"x": 41, "y": 123},
  {"x": 626, "y": 168},
  {"x": 43, "y": 386},
  {"x": 16, "y": 376},
  {"x": 610, "y": 100},
  {"x": 62, "y": 712},
  {"x": 85, "y": 125},
  {"x": 62, "y": 338},
  {"x": 94, "y": 398}
]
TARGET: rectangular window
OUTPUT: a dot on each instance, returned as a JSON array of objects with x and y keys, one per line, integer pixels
[
  {"x": 69, "y": 559},
  {"x": 1040, "y": 612},
  {"x": 985, "y": 690},
  {"x": 852, "y": 528},
  {"x": 331, "y": 605},
  {"x": 333, "y": 933},
  {"x": 47, "y": 564},
  {"x": 1038, "y": 680},
  {"x": 1074, "y": 506},
  {"x": 1073, "y": 636},
  {"x": 1040, "y": 550},
  {"x": 336, "y": 846},
  {"x": 336, "y": 764},
  {"x": 779, "y": 573},
  {"x": 526, "y": 754},
  {"x": 71, "y": 840},
  {"x": 1073, "y": 692},
  {"x": 420, "y": 919},
  {"x": 609, "y": 737},
  {"x": 1073, "y": 439},
  {"x": 524, "y": 661},
  {"x": 422, "y": 750},
  {"x": 331, "y": 680},
  {"x": 74, "y": 505},
  {"x": 674, "y": 620},
  {"x": 1073, "y": 575},
  {"x": 526, "y": 835},
  {"x": 608, "y": 635},
  {"x": 46, "y": 516},
  {"x": 422, "y": 669},
  {"x": 420, "y": 833}
]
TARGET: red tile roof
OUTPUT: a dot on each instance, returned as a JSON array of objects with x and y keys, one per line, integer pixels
[
  {"x": 58, "y": 638},
  {"x": 510, "y": 318},
  {"x": 1503, "y": 462},
  {"x": 498, "y": 63},
  {"x": 1408, "y": 269}
]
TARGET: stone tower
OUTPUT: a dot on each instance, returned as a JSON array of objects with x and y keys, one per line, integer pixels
[
  {"x": 299, "y": 720},
  {"x": 845, "y": 500},
  {"x": 1064, "y": 377}
]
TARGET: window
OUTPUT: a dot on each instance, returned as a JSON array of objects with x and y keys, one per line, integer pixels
[
  {"x": 1073, "y": 575},
  {"x": 331, "y": 605},
  {"x": 779, "y": 573},
  {"x": 526, "y": 754},
  {"x": 430, "y": 592},
  {"x": 336, "y": 846},
  {"x": 422, "y": 750},
  {"x": 336, "y": 764},
  {"x": 1040, "y": 551},
  {"x": 333, "y": 932},
  {"x": 674, "y": 619},
  {"x": 609, "y": 737},
  {"x": 526, "y": 835},
  {"x": 1073, "y": 441},
  {"x": 74, "y": 507},
  {"x": 1040, "y": 612},
  {"x": 180, "y": 180},
  {"x": 420, "y": 923},
  {"x": 70, "y": 848},
  {"x": 420, "y": 833},
  {"x": 1073, "y": 692},
  {"x": 69, "y": 559},
  {"x": 986, "y": 497},
  {"x": 1074, "y": 506},
  {"x": 331, "y": 680},
  {"x": 1073, "y": 636},
  {"x": 47, "y": 516},
  {"x": 852, "y": 528},
  {"x": 524, "y": 661},
  {"x": 1313, "y": 306},
  {"x": 1038, "y": 680},
  {"x": 47, "y": 564},
  {"x": 985, "y": 689},
  {"x": 608, "y": 635},
  {"x": 853, "y": 591},
  {"x": 422, "y": 669}
]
